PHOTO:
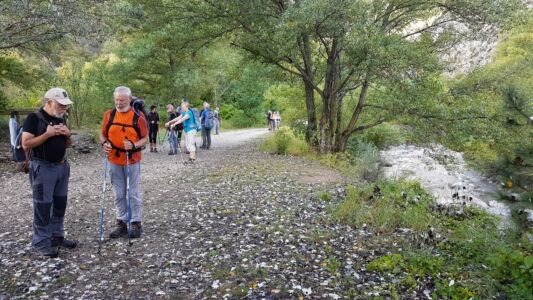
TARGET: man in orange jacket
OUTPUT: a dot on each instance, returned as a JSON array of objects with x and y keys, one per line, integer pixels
[{"x": 123, "y": 134}]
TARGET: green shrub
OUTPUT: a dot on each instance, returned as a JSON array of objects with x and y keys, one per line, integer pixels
[
  {"x": 324, "y": 196},
  {"x": 467, "y": 257},
  {"x": 514, "y": 268},
  {"x": 240, "y": 119},
  {"x": 387, "y": 206},
  {"x": 382, "y": 136},
  {"x": 284, "y": 141},
  {"x": 364, "y": 158},
  {"x": 299, "y": 126},
  {"x": 392, "y": 263}
]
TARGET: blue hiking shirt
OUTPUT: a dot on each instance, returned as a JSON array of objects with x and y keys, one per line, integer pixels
[{"x": 188, "y": 125}]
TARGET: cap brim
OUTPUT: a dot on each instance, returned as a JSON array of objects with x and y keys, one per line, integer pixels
[{"x": 64, "y": 101}]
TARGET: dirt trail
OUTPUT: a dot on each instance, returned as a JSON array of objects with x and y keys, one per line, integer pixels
[{"x": 237, "y": 224}]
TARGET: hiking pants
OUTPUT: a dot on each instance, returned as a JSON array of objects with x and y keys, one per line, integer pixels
[
  {"x": 152, "y": 134},
  {"x": 173, "y": 140},
  {"x": 206, "y": 137},
  {"x": 49, "y": 182},
  {"x": 118, "y": 180},
  {"x": 190, "y": 138},
  {"x": 217, "y": 125}
]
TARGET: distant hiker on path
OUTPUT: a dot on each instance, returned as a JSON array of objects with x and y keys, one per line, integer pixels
[
  {"x": 276, "y": 119},
  {"x": 122, "y": 136},
  {"x": 174, "y": 135},
  {"x": 46, "y": 137},
  {"x": 217, "y": 120},
  {"x": 189, "y": 126},
  {"x": 154, "y": 128},
  {"x": 207, "y": 118}
]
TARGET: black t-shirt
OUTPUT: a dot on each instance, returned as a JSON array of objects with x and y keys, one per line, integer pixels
[
  {"x": 154, "y": 117},
  {"x": 53, "y": 149},
  {"x": 172, "y": 116}
]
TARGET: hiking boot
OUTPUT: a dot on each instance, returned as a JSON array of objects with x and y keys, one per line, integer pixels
[
  {"x": 59, "y": 241},
  {"x": 171, "y": 152},
  {"x": 155, "y": 150},
  {"x": 136, "y": 230},
  {"x": 120, "y": 230},
  {"x": 51, "y": 252}
]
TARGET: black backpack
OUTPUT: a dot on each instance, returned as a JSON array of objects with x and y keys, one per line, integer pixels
[{"x": 139, "y": 108}]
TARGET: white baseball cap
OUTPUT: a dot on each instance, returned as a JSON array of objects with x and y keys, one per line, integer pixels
[{"x": 59, "y": 95}]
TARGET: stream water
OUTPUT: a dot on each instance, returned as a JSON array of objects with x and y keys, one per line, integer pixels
[{"x": 445, "y": 174}]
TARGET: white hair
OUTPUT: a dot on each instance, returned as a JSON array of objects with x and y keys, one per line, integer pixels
[
  {"x": 206, "y": 104},
  {"x": 122, "y": 90}
]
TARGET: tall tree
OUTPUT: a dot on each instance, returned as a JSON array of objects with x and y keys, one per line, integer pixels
[
  {"x": 339, "y": 47},
  {"x": 31, "y": 24}
]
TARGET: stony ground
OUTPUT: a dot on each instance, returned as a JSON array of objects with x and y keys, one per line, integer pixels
[{"x": 239, "y": 224}]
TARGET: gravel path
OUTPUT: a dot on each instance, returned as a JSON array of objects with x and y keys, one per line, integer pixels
[{"x": 239, "y": 224}]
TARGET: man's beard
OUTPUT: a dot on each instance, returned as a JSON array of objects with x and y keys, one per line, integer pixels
[
  {"x": 59, "y": 115},
  {"x": 122, "y": 110}
]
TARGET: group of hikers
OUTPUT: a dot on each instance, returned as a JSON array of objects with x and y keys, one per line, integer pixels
[
  {"x": 273, "y": 120},
  {"x": 209, "y": 120},
  {"x": 124, "y": 132}
]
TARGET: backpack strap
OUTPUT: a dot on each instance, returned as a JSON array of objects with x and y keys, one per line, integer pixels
[
  {"x": 40, "y": 128},
  {"x": 42, "y": 124},
  {"x": 134, "y": 124},
  {"x": 194, "y": 119},
  {"x": 110, "y": 121}
]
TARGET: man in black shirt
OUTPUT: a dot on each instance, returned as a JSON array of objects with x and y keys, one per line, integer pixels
[
  {"x": 174, "y": 135},
  {"x": 46, "y": 137}
]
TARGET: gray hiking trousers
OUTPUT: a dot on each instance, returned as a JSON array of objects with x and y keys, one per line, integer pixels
[
  {"x": 49, "y": 182},
  {"x": 118, "y": 180}
]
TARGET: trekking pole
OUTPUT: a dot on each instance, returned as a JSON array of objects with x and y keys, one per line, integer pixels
[
  {"x": 162, "y": 141},
  {"x": 181, "y": 149},
  {"x": 102, "y": 208},
  {"x": 128, "y": 195}
]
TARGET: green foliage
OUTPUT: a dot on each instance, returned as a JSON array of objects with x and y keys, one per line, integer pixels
[
  {"x": 289, "y": 100},
  {"x": 467, "y": 256},
  {"x": 387, "y": 206},
  {"x": 324, "y": 196},
  {"x": 513, "y": 266},
  {"x": 284, "y": 141},
  {"x": 382, "y": 136},
  {"x": 363, "y": 158},
  {"x": 391, "y": 263},
  {"x": 489, "y": 111}
]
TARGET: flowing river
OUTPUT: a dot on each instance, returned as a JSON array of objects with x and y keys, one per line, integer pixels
[{"x": 445, "y": 174}]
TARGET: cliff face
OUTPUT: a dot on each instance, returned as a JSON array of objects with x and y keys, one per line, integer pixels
[
  {"x": 467, "y": 48},
  {"x": 476, "y": 50}
]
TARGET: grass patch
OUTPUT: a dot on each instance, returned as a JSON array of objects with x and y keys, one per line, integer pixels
[
  {"x": 387, "y": 206},
  {"x": 285, "y": 141},
  {"x": 324, "y": 196},
  {"x": 467, "y": 257}
]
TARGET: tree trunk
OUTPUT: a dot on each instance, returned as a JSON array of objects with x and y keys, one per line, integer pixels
[
  {"x": 311, "y": 131},
  {"x": 340, "y": 143},
  {"x": 327, "y": 122}
]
